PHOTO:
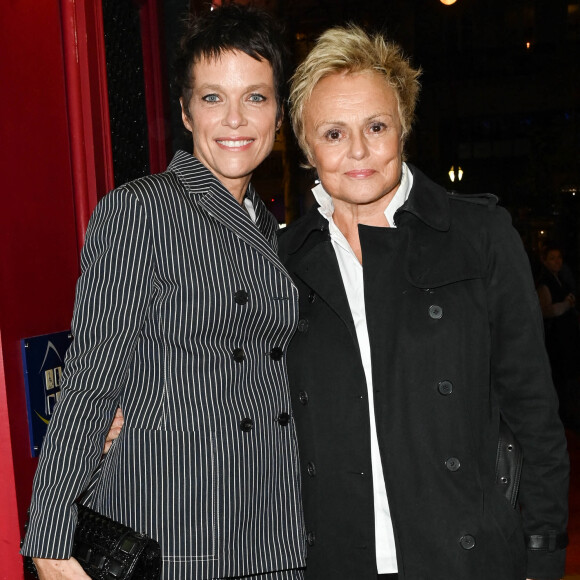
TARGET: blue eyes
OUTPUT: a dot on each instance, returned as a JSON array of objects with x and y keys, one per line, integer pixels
[
  {"x": 215, "y": 98},
  {"x": 257, "y": 98}
]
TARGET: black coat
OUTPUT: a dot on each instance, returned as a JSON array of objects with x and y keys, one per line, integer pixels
[{"x": 456, "y": 340}]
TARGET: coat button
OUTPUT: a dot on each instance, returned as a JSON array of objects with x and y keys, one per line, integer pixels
[
  {"x": 283, "y": 419},
  {"x": 311, "y": 296},
  {"x": 241, "y": 297},
  {"x": 246, "y": 425},
  {"x": 302, "y": 325},
  {"x": 445, "y": 387},
  {"x": 453, "y": 464},
  {"x": 311, "y": 469},
  {"x": 310, "y": 538},
  {"x": 276, "y": 353},
  {"x": 303, "y": 397},
  {"x": 239, "y": 355},
  {"x": 435, "y": 312},
  {"x": 467, "y": 542}
]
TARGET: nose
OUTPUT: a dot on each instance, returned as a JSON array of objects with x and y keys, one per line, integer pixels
[
  {"x": 358, "y": 146},
  {"x": 234, "y": 116}
]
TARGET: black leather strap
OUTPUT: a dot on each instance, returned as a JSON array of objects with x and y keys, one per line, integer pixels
[{"x": 547, "y": 542}]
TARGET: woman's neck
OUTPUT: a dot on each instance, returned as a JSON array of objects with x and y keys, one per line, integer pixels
[{"x": 347, "y": 218}]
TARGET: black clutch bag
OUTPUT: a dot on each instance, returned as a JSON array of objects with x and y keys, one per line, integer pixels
[{"x": 108, "y": 550}]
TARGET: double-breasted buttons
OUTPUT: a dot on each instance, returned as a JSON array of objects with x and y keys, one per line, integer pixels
[
  {"x": 241, "y": 297},
  {"x": 238, "y": 354},
  {"x": 445, "y": 387},
  {"x": 310, "y": 538},
  {"x": 303, "y": 325},
  {"x": 453, "y": 464},
  {"x": 246, "y": 425},
  {"x": 311, "y": 296},
  {"x": 303, "y": 397},
  {"x": 311, "y": 469},
  {"x": 276, "y": 353},
  {"x": 435, "y": 311},
  {"x": 283, "y": 419},
  {"x": 467, "y": 542}
]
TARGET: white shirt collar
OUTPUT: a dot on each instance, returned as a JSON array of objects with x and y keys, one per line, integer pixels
[{"x": 326, "y": 204}]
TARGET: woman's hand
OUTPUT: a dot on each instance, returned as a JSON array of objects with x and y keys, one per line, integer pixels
[
  {"x": 114, "y": 429},
  {"x": 59, "y": 569}
]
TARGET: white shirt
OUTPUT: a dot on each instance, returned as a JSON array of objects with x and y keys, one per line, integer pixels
[{"x": 351, "y": 271}]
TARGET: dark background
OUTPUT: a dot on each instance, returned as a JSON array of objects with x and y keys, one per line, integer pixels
[{"x": 500, "y": 98}]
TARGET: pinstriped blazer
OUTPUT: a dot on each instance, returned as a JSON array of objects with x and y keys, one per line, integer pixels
[{"x": 182, "y": 317}]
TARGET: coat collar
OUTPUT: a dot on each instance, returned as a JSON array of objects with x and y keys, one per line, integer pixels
[
  {"x": 427, "y": 201},
  {"x": 217, "y": 201}
]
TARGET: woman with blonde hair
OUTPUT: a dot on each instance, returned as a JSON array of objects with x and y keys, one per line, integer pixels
[{"x": 419, "y": 334}]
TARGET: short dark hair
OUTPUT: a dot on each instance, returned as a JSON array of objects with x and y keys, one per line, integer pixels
[{"x": 231, "y": 27}]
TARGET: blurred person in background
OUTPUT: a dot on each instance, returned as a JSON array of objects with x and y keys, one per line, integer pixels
[{"x": 562, "y": 333}]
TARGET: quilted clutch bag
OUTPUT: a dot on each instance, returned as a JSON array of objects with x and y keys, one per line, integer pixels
[{"x": 108, "y": 550}]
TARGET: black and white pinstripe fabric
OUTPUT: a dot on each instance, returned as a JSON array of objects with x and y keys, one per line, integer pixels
[{"x": 182, "y": 317}]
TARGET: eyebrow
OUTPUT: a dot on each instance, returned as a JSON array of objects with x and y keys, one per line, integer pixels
[
  {"x": 343, "y": 123},
  {"x": 249, "y": 89}
]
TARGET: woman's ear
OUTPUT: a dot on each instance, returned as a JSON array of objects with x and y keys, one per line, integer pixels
[{"x": 185, "y": 116}]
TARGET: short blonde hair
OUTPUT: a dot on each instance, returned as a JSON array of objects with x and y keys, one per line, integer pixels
[{"x": 350, "y": 49}]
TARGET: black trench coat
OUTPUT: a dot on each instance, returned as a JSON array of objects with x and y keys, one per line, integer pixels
[{"x": 457, "y": 340}]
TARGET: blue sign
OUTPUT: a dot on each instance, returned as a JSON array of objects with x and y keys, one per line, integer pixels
[{"x": 43, "y": 361}]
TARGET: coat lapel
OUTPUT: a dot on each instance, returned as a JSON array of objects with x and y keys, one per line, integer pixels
[{"x": 311, "y": 258}]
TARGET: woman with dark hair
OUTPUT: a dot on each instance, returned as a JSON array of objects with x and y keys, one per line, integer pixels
[{"x": 182, "y": 318}]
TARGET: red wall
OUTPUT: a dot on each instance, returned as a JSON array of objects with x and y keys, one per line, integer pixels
[
  {"x": 53, "y": 79},
  {"x": 38, "y": 243}
]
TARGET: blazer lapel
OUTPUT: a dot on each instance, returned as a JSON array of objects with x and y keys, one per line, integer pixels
[
  {"x": 218, "y": 202},
  {"x": 221, "y": 205}
]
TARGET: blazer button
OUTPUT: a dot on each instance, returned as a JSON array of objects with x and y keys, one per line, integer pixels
[
  {"x": 453, "y": 464},
  {"x": 445, "y": 387},
  {"x": 311, "y": 296},
  {"x": 239, "y": 355},
  {"x": 246, "y": 425},
  {"x": 276, "y": 353},
  {"x": 310, "y": 538},
  {"x": 241, "y": 297},
  {"x": 467, "y": 542},
  {"x": 283, "y": 419},
  {"x": 303, "y": 397},
  {"x": 302, "y": 325},
  {"x": 311, "y": 469},
  {"x": 435, "y": 312}
]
